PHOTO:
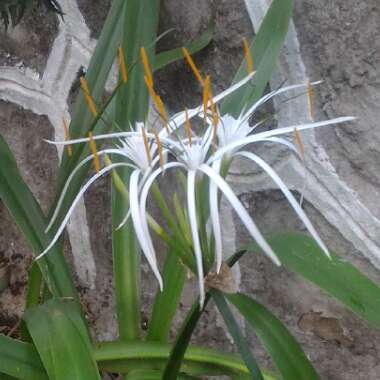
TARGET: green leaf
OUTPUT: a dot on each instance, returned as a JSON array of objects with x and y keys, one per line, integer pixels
[
  {"x": 82, "y": 121},
  {"x": 301, "y": 254},
  {"x": 167, "y": 57},
  {"x": 183, "y": 338},
  {"x": 236, "y": 334},
  {"x": 286, "y": 353},
  {"x": 29, "y": 217},
  {"x": 265, "y": 50},
  {"x": 140, "y": 21},
  {"x": 166, "y": 302},
  {"x": 20, "y": 360},
  {"x": 123, "y": 357},
  {"x": 62, "y": 341}
]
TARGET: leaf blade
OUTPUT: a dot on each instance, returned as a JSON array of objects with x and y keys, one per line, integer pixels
[{"x": 283, "y": 348}]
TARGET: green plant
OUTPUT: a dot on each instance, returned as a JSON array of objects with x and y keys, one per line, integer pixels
[{"x": 56, "y": 342}]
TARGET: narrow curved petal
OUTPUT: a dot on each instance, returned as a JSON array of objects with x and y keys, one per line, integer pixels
[
  {"x": 75, "y": 202},
  {"x": 194, "y": 232},
  {"x": 285, "y": 142},
  {"x": 178, "y": 119},
  {"x": 271, "y": 95},
  {"x": 70, "y": 178},
  {"x": 144, "y": 196},
  {"x": 137, "y": 224},
  {"x": 289, "y": 196},
  {"x": 215, "y": 219},
  {"x": 241, "y": 211},
  {"x": 98, "y": 137},
  {"x": 276, "y": 132}
]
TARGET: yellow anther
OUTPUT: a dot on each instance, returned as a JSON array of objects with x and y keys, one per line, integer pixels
[
  {"x": 94, "y": 152},
  {"x": 191, "y": 63},
  {"x": 161, "y": 110},
  {"x": 87, "y": 95},
  {"x": 147, "y": 70},
  {"x": 159, "y": 147},
  {"x": 301, "y": 147},
  {"x": 122, "y": 65},
  {"x": 248, "y": 56},
  {"x": 206, "y": 95},
  {"x": 188, "y": 129},
  {"x": 158, "y": 103},
  {"x": 310, "y": 100},
  {"x": 67, "y": 137},
  {"x": 146, "y": 145}
]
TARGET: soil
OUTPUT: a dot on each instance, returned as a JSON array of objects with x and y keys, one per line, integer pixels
[{"x": 37, "y": 161}]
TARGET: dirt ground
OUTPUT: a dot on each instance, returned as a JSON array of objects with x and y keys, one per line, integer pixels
[{"x": 339, "y": 44}]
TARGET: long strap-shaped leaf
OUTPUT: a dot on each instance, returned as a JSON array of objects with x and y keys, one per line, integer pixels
[
  {"x": 286, "y": 353},
  {"x": 236, "y": 334},
  {"x": 62, "y": 341},
  {"x": 20, "y": 360},
  {"x": 265, "y": 50},
  {"x": 29, "y": 217},
  {"x": 166, "y": 302},
  {"x": 140, "y": 21},
  {"x": 301, "y": 254}
]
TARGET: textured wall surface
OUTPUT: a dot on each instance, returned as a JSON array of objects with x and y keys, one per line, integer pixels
[{"x": 334, "y": 41}]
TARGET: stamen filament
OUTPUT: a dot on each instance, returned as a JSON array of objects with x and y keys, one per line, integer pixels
[
  {"x": 87, "y": 95},
  {"x": 192, "y": 65},
  {"x": 159, "y": 147},
  {"x": 94, "y": 152},
  {"x": 146, "y": 145},
  {"x": 67, "y": 137},
  {"x": 310, "y": 100},
  {"x": 248, "y": 56},
  {"x": 297, "y": 136},
  {"x": 122, "y": 65},
  {"x": 147, "y": 70}
]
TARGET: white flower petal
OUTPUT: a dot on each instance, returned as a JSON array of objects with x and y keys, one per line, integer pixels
[
  {"x": 144, "y": 196},
  {"x": 275, "y": 132},
  {"x": 241, "y": 211},
  {"x": 215, "y": 219},
  {"x": 194, "y": 232},
  {"x": 137, "y": 224},
  {"x": 75, "y": 202},
  {"x": 177, "y": 120},
  {"x": 271, "y": 95},
  {"x": 70, "y": 178},
  {"x": 293, "y": 202}
]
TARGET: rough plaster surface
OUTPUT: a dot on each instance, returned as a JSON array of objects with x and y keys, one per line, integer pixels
[{"x": 337, "y": 41}]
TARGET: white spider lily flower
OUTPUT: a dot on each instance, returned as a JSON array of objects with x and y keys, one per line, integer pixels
[
  {"x": 192, "y": 157},
  {"x": 140, "y": 155},
  {"x": 234, "y": 134}
]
